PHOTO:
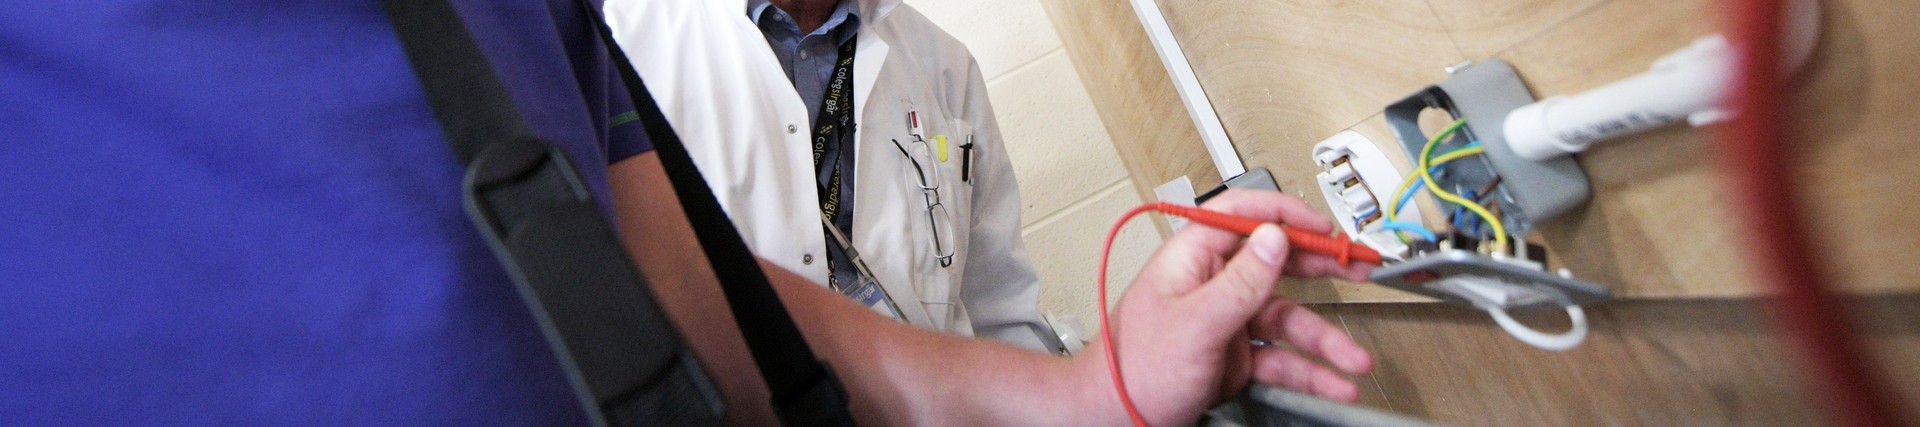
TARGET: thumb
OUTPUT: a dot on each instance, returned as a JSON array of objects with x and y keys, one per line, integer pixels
[{"x": 1227, "y": 301}]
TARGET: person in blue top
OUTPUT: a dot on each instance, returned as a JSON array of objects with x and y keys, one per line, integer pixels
[{"x": 245, "y": 213}]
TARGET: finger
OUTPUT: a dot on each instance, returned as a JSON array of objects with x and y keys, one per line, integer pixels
[
  {"x": 1179, "y": 269},
  {"x": 1309, "y": 264},
  {"x": 1312, "y": 334},
  {"x": 1269, "y": 206},
  {"x": 1225, "y": 304},
  {"x": 1238, "y": 364},
  {"x": 1286, "y": 369}
]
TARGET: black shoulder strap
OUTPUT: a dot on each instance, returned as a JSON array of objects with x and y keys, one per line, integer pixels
[
  {"x": 626, "y": 362},
  {"x": 805, "y": 390}
]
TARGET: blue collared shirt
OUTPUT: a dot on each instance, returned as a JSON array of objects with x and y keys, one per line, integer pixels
[{"x": 808, "y": 60}]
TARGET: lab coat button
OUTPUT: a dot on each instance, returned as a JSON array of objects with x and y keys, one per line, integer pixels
[
  {"x": 806, "y": 259},
  {"x": 792, "y": 129}
]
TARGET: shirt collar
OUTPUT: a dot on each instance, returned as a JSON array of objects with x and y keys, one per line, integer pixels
[{"x": 847, "y": 12}]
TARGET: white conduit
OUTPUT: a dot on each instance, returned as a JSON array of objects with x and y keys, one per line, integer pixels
[{"x": 1205, "y": 120}]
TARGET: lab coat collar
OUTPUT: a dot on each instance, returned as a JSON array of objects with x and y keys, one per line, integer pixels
[
  {"x": 870, "y": 10},
  {"x": 843, "y": 23}
]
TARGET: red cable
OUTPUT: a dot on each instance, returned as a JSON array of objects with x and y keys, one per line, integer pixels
[
  {"x": 1341, "y": 249},
  {"x": 1106, "y": 328},
  {"x": 1753, "y": 150}
]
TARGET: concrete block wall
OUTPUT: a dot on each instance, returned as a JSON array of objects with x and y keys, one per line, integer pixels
[{"x": 1072, "y": 184}]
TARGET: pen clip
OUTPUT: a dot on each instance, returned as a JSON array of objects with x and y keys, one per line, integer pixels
[{"x": 914, "y": 128}]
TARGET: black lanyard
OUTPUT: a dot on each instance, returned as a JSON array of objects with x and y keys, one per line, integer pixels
[{"x": 835, "y": 126}]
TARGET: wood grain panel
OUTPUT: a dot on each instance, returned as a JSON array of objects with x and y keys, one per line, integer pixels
[
  {"x": 1286, "y": 74},
  {"x": 1690, "y": 362},
  {"x": 1483, "y": 28}
]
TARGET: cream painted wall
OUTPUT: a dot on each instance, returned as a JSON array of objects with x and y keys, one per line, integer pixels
[{"x": 1072, "y": 183}]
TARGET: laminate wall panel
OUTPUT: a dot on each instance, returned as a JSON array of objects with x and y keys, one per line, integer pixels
[
  {"x": 1286, "y": 74},
  {"x": 1687, "y": 343}
]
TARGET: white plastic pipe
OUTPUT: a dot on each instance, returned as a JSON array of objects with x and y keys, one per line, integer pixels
[{"x": 1689, "y": 83}]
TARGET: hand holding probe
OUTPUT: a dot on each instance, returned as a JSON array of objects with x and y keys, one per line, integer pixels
[{"x": 1342, "y": 251}]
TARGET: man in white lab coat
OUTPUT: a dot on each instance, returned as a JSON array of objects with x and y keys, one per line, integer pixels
[
  {"x": 1183, "y": 328},
  {"x": 866, "y": 103}
]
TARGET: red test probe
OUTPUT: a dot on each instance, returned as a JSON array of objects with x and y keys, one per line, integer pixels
[{"x": 1336, "y": 246}]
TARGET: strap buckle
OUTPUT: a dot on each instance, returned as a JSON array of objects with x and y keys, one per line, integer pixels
[{"x": 519, "y": 176}]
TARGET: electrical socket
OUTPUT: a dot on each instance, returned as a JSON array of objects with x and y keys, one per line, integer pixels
[{"x": 1357, "y": 180}]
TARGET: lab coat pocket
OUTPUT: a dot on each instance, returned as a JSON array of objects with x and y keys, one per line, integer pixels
[
  {"x": 938, "y": 204},
  {"x": 933, "y": 256}
]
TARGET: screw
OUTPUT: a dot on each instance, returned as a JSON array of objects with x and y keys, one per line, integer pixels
[{"x": 1457, "y": 67}]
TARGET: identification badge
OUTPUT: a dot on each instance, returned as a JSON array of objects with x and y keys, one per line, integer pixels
[{"x": 869, "y": 294}]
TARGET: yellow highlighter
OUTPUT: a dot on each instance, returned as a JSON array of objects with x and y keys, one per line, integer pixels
[{"x": 940, "y": 147}]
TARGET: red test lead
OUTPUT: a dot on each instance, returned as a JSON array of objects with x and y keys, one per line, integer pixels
[{"x": 1339, "y": 248}]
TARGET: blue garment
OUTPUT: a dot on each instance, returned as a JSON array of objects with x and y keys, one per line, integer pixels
[
  {"x": 244, "y": 213},
  {"x": 809, "y": 61}
]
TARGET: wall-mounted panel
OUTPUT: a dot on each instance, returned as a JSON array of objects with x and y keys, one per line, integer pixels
[{"x": 1286, "y": 74}]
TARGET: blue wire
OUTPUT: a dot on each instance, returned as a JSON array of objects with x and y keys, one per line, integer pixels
[
  {"x": 1402, "y": 226},
  {"x": 1467, "y": 221},
  {"x": 1363, "y": 215},
  {"x": 1402, "y": 204}
]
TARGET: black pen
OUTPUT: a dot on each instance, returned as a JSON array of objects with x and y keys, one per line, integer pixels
[{"x": 966, "y": 160}]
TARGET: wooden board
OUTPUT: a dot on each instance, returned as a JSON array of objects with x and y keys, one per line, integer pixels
[
  {"x": 1677, "y": 362},
  {"x": 1286, "y": 74}
]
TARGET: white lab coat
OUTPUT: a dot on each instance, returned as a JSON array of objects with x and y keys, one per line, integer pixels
[{"x": 719, "y": 83}]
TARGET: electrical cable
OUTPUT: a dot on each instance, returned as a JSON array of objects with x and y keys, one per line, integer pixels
[
  {"x": 1406, "y": 193},
  {"x": 1364, "y": 215},
  {"x": 1403, "y": 237},
  {"x": 1499, "y": 230},
  {"x": 1456, "y": 155},
  {"x": 1460, "y": 221},
  {"x": 1409, "y": 227},
  {"x": 1342, "y": 250},
  {"x": 1106, "y": 327},
  {"x": 1487, "y": 192}
]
